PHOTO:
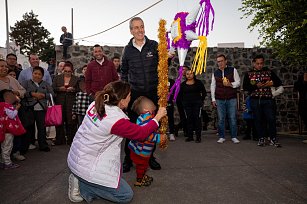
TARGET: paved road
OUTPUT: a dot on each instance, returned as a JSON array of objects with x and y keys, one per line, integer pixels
[{"x": 191, "y": 173}]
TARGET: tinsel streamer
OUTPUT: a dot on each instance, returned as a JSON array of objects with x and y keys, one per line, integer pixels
[
  {"x": 163, "y": 79},
  {"x": 200, "y": 59}
]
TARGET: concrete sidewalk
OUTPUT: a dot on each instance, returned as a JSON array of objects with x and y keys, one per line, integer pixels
[{"x": 191, "y": 173}]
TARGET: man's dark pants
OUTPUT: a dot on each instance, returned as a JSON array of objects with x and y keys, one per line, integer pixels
[{"x": 264, "y": 109}]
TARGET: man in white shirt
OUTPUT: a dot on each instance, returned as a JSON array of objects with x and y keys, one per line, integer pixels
[{"x": 225, "y": 81}]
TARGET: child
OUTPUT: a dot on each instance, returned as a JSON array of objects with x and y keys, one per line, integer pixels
[
  {"x": 81, "y": 104},
  {"x": 141, "y": 151},
  {"x": 249, "y": 120},
  {"x": 8, "y": 98},
  {"x": 12, "y": 73}
]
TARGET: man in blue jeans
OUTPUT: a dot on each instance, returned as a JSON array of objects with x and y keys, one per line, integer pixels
[
  {"x": 258, "y": 82},
  {"x": 224, "y": 84}
]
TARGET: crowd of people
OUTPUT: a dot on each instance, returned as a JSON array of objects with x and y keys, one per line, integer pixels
[{"x": 116, "y": 99}]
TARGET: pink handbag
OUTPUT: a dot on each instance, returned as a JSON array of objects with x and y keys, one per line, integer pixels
[{"x": 54, "y": 114}]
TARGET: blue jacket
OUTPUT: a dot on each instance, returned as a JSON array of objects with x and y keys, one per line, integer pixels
[
  {"x": 247, "y": 109},
  {"x": 144, "y": 148}
]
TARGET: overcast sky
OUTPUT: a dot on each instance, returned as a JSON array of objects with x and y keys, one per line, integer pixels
[{"x": 93, "y": 16}]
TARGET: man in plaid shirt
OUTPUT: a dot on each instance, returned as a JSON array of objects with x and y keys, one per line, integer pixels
[{"x": 81, "y": 104}]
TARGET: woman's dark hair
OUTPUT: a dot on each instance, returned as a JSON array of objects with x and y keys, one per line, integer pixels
[
  {"x": 189, "y": 69},
  {"x": 39, "y": 69},
  {"x": 69, "y": 64},
  {"x": 111, "y": 95}
]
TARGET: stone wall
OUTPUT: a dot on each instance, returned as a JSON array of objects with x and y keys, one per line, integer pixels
[{"x": 287, "y": 117}]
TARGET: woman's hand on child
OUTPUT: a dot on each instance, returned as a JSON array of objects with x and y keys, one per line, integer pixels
[{"x": 161, "y": 113}]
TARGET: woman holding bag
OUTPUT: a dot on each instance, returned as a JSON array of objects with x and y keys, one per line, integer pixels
[
  {"x": 37, "y": 94},
  {"x": 66, "y": 86}
]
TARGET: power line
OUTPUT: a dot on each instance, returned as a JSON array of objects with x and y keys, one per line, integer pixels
[
  {"x": 101, "y": 42},
  {"x": 120, "y": 22}
]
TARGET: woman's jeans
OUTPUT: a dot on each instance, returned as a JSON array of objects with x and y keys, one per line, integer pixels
[{"x": 90, "y": 191}]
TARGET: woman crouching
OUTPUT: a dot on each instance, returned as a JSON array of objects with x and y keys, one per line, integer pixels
[{"x": 94, "y": 156}]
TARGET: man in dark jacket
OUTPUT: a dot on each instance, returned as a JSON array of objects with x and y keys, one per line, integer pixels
[
  {"x": 66, "y": 40},
  {"x": 258, "y": 83},
  {"x": 139, "y": 68}
]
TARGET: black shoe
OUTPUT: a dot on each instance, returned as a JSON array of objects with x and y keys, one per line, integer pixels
[
  {"x": 189, "y": 139},
  {"x": 45, "y": 149},
  {"x": 261, "y": 142},
  {"x": 126, "y": 166},
  {"x": 198, "y": 139},
  {"x": 154, "y": 165},
  {"x": 275, "y": 143}
]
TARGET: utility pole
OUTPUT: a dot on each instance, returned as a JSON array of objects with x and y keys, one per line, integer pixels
[
  {"x": 7, "y": 29},
  {"x": 72, "y": 24}
]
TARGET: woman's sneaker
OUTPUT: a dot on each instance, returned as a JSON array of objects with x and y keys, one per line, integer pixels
[
  {"x": 31, "y": 147},
  {"x": 73, "y": 189},
  {"x": 172, "y": 137}
]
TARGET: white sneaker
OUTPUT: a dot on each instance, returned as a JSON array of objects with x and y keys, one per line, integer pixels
[
  {"x": 235, "y": 140},
  {"x": 221, "y": 140},
  {"x": 18, "y": 156},
  {"x": 31, "y": 146},
  {"x": 172, "y": 137},
  {"x": 73, "y": 189}
]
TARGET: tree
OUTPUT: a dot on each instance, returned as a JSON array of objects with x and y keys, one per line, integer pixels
[
  {"x": 32, "y": 37},
  {"x": 282, "y": 26}
]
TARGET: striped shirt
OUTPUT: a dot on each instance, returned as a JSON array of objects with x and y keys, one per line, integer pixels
[{"x": 144, "y": 148}]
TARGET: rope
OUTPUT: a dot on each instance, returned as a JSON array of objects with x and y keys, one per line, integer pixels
[{"x": 120, "y": 22}]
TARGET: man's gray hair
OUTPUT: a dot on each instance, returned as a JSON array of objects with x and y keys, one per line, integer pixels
[{"x": 134, "y": 19}]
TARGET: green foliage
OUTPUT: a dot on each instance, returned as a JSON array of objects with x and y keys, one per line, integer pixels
[
  {"x": 32, "y": 37},
  {"x": 282, "y": 26}
]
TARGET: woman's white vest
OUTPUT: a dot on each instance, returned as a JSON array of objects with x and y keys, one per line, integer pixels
[{"x": 95, "y": 153}]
